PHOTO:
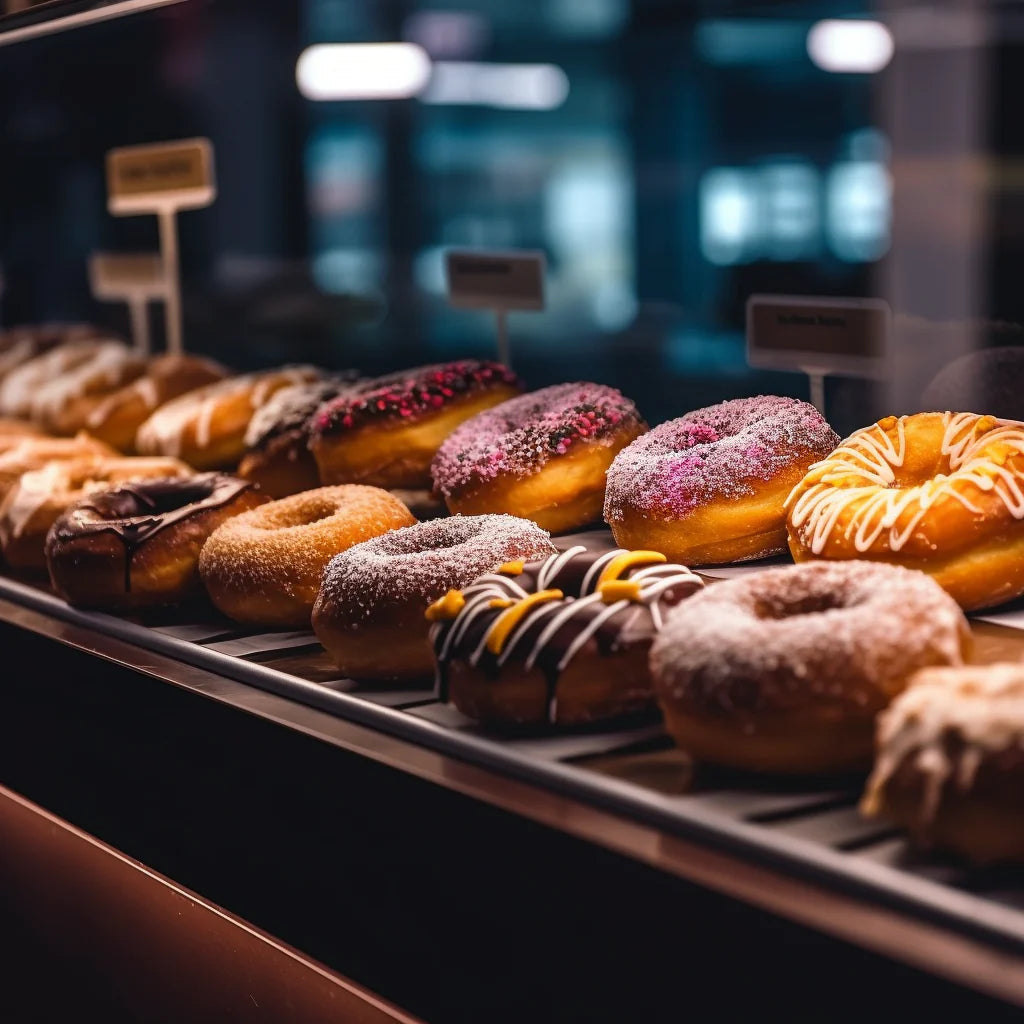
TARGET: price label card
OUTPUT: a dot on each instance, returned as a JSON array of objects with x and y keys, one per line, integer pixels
[
  {"x": 826, "y": 335},
  {"x": 495, "y": 280},
  {"x": 117, "y": 275},
  {"x": 165, "y": 176}
]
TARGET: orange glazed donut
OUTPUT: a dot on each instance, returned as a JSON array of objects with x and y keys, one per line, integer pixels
[
  {"x": 264, "y": 568},
  {"x": 939, "y": 492},
  {"x": 116, "y": 417},
  {"x": 784, "y": 670},
  {"x": 387, "y": 431},
  {"x": 207, "y": 427},
  {"x": 138, "y": 547},
  {"x": 711, "y": 486},
  {"x": 542, "y": 456},
  {"x": 41, "y": 497},
  {"x": 35, "y": 452},
  {"x": 369, "y": 614}
]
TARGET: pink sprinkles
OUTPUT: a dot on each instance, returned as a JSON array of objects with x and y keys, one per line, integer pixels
[
  {"x": 410, "y": 393},
  {"x": 713, "y": 453},
  {"x": 520, "y": 436}
]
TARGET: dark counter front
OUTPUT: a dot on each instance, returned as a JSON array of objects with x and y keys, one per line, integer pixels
[{"x": 460, "y": 888}]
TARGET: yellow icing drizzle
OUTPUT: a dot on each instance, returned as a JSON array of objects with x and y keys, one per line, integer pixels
[
  {"x": 626, "y": 561},
  {"x": 500, "y": 602},
  {"x": 511, "y": 568},
  {"x": 513, "y": 615},
  {"x": 447, "y": 607},
  {"x": 619, "y": 590}
]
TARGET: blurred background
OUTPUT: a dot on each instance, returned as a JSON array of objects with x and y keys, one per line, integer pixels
[{"x": 669, "y": 158}]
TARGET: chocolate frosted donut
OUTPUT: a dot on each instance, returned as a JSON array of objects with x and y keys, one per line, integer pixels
[
  {"x": 138, "y": 546},
  {"x": 369, "y": 614},
  {"x": 564, "y": 640}
]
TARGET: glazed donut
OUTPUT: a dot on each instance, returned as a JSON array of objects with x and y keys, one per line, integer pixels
[
  {"x": 939, "y": 492},
  {"x": 206, "y": 427},
  {"x": 542, "y": 456},
  {"x": 387, "y": 431},
  {"x": 369, "y": 614},
  {"x": 784, "y": 670},
  {"x": 279, "y": 459},
  {"x": 710, "y": 487},
  {"x": 564, "y": 640},
  {"x": 39, "y": 498},
  {"x": 20, "y": 344},
  {"x": 35, "y": 452},
  {"x": 138, "y": 546},
  {"x": 950, "y": 764},
  {"x": 264, "y": 568},
  {"x": 14, "y": 432},
  {"x": 116, "y": 417}
]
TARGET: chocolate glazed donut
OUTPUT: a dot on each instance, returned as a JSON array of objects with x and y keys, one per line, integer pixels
[{"x": 138, "y": 546}]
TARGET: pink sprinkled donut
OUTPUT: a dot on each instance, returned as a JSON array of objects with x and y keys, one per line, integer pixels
[
  {"x": 710, "y": 487},
  {"x": 386, "y": 431},
  {"x": 369, "y": 614},
  {"x": 542, "y": 456}
]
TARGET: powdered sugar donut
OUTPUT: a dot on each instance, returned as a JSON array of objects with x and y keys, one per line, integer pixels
[
  {"x": 785, "y": 670},
  {"x": 369, "y": 614},
  {"x": 542, "y": 456},
  {"x": 710, "y": 487}
]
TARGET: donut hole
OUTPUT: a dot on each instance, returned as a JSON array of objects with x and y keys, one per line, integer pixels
[{"x": 808, "y": 604}]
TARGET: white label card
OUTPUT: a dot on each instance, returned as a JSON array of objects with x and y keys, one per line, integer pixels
[
  {"x": 495, "y": 280},
  {"x": 122, "y": 275},
  {"x": 162, "y": 177}
]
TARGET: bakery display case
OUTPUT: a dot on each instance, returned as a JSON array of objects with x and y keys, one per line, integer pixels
[{"x": 510, "y": 510}]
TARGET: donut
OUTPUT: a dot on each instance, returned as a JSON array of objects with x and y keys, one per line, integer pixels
[
  {"x": 939, "y": 492},
  {"x": 387, "y": 432},
  {"x": 206, "y": 427},
  {"x": 117, "y": 416},
  {"x": 784, "y": 670},
  {"x": 138, "y": 546},
  {"x": 369, "y": 614},
  {"x": 35, "y": 452},
  {"x": 20, "y": 344},
  {"x": 542, "y": 456},
  {"x": 709, "y": 487},
  {"x": 279, "y": 459},
  {"x": 14, "y": 432},
  {"x": 562, "y": 641},
  {"x": 39, "y": 498},
  {"x": 264, "y": 568},
  {"x": 950, "y": 763}
]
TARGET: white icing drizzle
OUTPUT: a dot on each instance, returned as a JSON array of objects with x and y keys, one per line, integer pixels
[
  {"x": 21, "y": 386},
  {"x": 856, "y": 482},
  {"x": 106, "y": 369}
]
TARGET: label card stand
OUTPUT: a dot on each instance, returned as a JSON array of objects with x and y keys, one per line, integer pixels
[
  {"x": 818, "y": 336},
  {"x": 133, "y": 278},
  {"x": 498, "y": 281},
  {"x": 163, "y": 179}
]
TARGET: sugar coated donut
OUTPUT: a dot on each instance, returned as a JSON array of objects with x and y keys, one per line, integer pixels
[
  {"x": 138, "y": 546},
  {"x": 387, "y": 433},
  {"x": 39, "y": 498},
  {"x": 563, "y": 640},
  {"x": 784, "y": 670},
  {"x": 35, "y": 452},
  {"x": 710, "y": 486},
  {"x": 542, "y": 456},
  {"x": 264, "y": 568},
  {"x": 369, "y": 614},
  {"x": 278, "y": 457},
  {"x": 206, "y": 427},
  {"x": 950, "y": 764},
  {"x": 939, "y": 492}
]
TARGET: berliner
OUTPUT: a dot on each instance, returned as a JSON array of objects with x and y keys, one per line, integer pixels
[
  {"x": 784, "y": 670},
  {"x": 264, "y": 568},
  {"x": 39, "y": 498},
  {"x": 939, "y": 492},
  {"x": 116, "y": 417},
  {"x": 388, "y": 430},
  {"x": 206, "y": 427},
  {"x": 138, "y": 546},
  {"x": 369, "y": 614},
  {"x": 279, "y": 459},
  {"x": 950, "y": 764},
  {"x": 710, "y": 487},
  {"x": 542, "y": 456},
  {"x": 564, "y": 640},
  {"x": 35, "y": 452}
]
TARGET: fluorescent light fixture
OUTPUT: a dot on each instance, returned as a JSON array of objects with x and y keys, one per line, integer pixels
[
  {"x": 505, "y": 86},
  {"x": 362, "y": 71},
  {"x": 859, "y": 47}
]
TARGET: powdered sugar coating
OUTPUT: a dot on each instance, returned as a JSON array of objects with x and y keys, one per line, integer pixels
[
  {"x": 713, "y": 453},
  {"x": 520, "y": 436},
  {"x": 425, "y": 561},
  {"x": 847, "y": 634}
]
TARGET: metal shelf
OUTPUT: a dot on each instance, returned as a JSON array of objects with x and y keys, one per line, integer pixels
[{"x": 44, "y": 19}]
